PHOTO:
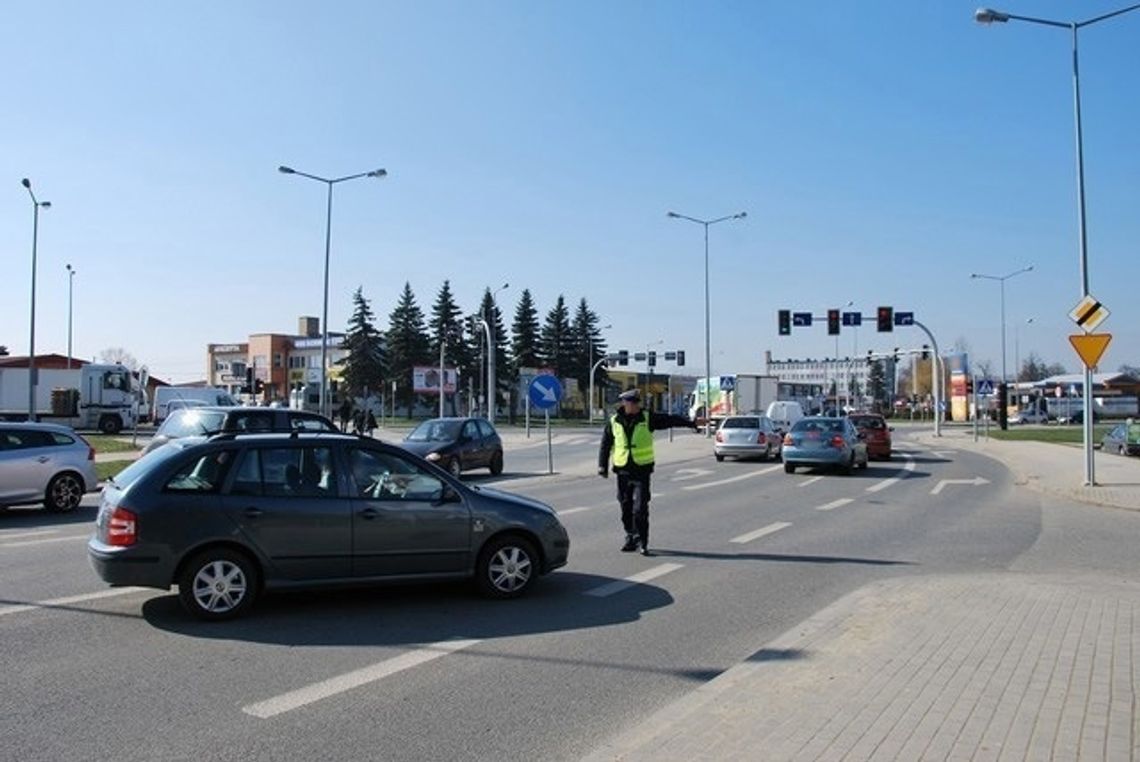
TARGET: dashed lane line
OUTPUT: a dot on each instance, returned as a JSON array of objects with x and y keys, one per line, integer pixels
[
  {"x": 44, "y": 541},
  {"x": 910, "y": 463},
  {"x": 56, "y": 602},
  {"x": 762, "y": 532},
  {"x": 835, "y": 504},
  {"x": 812, "y": 480},
  {"x": 317, "y": 691},
  {"x": 731, "y": 479},
  {"x": 579, "y": 509},
  {"x": 21, "y": 535},
  {"x": 623, "y": 584}
]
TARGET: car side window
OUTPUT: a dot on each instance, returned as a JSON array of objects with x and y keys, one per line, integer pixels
[
  {"x": 24, "y": 439},
  {"x": 486, "y": 429},
  {"x": 470, "y": 431},
  {"x": 247, "y": 478},
  {"x": 61, "y": 439},
  {"x": 253, "y": 422},
  {"x": 203, "y": 474},
  {"x": 308, "y": 423},
  {"x": 385, "y": 476},
  {"x": 297, "y": 471}
]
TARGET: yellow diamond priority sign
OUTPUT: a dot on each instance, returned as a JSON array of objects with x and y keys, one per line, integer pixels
[
  {"x": 1090, "y": 347},
  {"x": 1088, "y": 314}
]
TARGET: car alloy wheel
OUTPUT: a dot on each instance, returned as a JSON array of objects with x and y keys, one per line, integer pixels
[
  {"x": 64, "y": 493},
  {"x": 218, "y": 584},
  {"x": 507, "y": 567}
]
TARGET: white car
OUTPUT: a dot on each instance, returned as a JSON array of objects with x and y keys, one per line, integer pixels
[
  {"x": 1029, "y": 416},
  {"x": 45, "y": 462}
]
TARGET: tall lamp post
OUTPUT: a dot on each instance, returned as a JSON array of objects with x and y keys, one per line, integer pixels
[
  {"x": 1001, "y": 279},
  {"x": 36, "y": 206},
  {"x": 328, "y": 239},
  {"x": 1017, "y": 350},
  {"x": 70, "y": 285},
  {"x": 708, "y": 351},
  {"x": 989, "y": 16}
]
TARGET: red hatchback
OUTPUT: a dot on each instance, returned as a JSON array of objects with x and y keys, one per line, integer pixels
[{"x": 876, "y": 433}]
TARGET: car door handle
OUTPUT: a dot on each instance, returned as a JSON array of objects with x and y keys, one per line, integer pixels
[
  {"x": 253, "y": 513},
  {"x": 370, "y": 513}
]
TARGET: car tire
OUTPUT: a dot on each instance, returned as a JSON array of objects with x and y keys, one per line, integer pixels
[
  {"x": 719, "y": 458},
  {"x": 789, "y": 468},
  {"x": 63, "y": 493},
  {"x": 110, "y": 424},
  {"x": 497, "y": 463},
  {"x": 454, "y": 467},
  {"x": 849, "y": 467},
  {"x": 218, "y": 584},
  {"x": 508, "y": 565}
]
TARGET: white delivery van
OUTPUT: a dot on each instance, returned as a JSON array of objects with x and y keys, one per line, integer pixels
[
  {"x": 163, "y": 395},
  {"x": 784, "y": 413}
]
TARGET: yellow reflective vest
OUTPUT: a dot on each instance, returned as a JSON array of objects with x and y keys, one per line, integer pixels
[{"x": 641, "y": 446}]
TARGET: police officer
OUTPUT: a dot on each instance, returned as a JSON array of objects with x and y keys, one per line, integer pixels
[{"x": 628, "y": 436}]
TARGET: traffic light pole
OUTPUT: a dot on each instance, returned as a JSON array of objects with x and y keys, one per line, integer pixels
[
  {"x": 593, "y": 370},
  {"x": 936, "y": 380}
]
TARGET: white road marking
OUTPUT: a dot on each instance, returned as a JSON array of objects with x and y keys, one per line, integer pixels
[
  {"x": 910, "y": 463},
  {"x": 683, "y": 474},
  {"x": 18, "y": 535},
  {"x": 771, "y": 528},
  {"x": 977, "y": 481},
  {"x": 317, "y": 691},
  {"x": 730, "y": 479},
  {"x": 23, "y": 543},
  {"x": 618, "y": 585},
  {"x": 812, "y": 480},
  {"x": 943, "y": 453},
  {"x": 69, "y": 600},
  {"x": 579, "y": 509},
  {"x": 835, "y": 504}
]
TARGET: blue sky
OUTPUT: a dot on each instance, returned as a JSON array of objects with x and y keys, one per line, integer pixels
[{"x": 882, "y": 151}]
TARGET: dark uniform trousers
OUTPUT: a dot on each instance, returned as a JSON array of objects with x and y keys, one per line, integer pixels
[{"x": 633, "y": 497}]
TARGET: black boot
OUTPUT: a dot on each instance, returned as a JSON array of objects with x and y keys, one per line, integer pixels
[
  {"x": 645, "y": 551},
  {"x": 630, "y": 543}
]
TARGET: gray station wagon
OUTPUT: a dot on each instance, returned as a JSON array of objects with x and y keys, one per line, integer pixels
[{"x": 228, "y": 517}]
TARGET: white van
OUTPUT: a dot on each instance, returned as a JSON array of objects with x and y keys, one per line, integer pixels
[
  {"x": 163, "y": 395},
  {"x": 784, "y": 413}
]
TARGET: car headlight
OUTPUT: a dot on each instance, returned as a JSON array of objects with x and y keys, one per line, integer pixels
[{"x": 432, "y": 456}]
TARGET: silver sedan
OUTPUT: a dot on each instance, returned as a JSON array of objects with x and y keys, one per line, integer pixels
[{"x": 747, "y": 436}]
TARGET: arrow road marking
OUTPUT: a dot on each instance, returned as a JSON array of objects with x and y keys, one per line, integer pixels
[
  {"x": 748, "y": 475},
  {"x": 977, "y": 481},
  {"x": 771, "y": 528},
  {"x": 617, "y": 586},
  {"x": 334, "y": 685}
]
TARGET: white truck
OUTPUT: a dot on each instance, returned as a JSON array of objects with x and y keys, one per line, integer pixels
[
  {"x": 754, "y": 392},
  {"x": 103, "y": 397},
  {"x": 749, "y": 393}
]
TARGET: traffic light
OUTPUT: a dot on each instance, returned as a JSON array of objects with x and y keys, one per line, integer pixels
[
  {"x": 833, "y": 322},
  {"x": 623, "y": 357},
  {"x": 247, "y": 388},
  {"x": 258, "y": 385},
  {"x": 784, "y": 320},
  {"x": 886, "y": 319},
  {"x": 680, "y": 358},
  {"x": 652, "y": 359}
]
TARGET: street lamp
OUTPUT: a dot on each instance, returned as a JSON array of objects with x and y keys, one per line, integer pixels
[
  {"x": 989, "y": 16},
  {"x": 708, "y": 351},
  {"x": 1017, "y": 351},
  {"x": 70, "y": 285},
  {"x": 328, "y": 239},
  {"x": 36, "y": 206},
  {"x": 1002, "y": 279},
  {"x": 593, "y": 369}
]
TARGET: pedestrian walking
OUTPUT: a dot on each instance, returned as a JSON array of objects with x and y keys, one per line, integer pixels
[
  {"x": 628, "y": 437},
  {"x": 345, "y": 413}
]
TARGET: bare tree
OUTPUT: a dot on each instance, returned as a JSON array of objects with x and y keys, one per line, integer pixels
[{"x": 119, "y": 356}]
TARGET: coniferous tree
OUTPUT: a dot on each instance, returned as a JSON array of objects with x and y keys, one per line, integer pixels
[
  {"x": 877, "y": 385},
  {"x": 364, "y": 365},
  {"x": 556, "y": 341},
  {"x": 589, "y": 347},
  {"x": 525, "y": 349},
  {"x": 408, "y": 346},
  {"x": 447, "y": 325}
]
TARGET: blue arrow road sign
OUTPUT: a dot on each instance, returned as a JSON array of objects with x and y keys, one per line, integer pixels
[
  {"x": 904, "y": 318},
  {"x": 802, "y": 319},
  {"x": 544, "y": 392},
  {"x": 985, "y": 386},
  {"x": 853, "y": 318}
]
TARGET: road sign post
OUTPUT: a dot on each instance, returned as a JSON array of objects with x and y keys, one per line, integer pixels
[{"x": 544, "y": 393}]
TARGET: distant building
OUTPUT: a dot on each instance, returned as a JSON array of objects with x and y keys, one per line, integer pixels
[
  {"x": 803, "y": 379},
  {"x": 282, "y": 362}
]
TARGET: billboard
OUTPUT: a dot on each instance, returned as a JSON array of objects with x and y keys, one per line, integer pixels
[{"x": 426, "y": 380}]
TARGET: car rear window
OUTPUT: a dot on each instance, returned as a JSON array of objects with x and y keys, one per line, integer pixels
[
  {"x": 189, "y": 423},
  {"x": 868, "y": 422},
  {"x": 143, "y": 465},
  {"x": 741, "y": 423}
]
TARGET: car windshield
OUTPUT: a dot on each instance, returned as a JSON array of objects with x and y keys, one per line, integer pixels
[
  {"x": 868, "y": 422},
  {"x": 435, "y": 431},
  {"x": 190, "y": 422},
  {"x": 742, "y": 423}
]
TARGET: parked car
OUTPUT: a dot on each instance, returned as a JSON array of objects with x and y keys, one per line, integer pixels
[
  {"x": 236, "y": 514},
  {"x": 457, "y": 444},
  {"x": 747, "y": 436},
  {"x": 205, "y": 421},
  {"x": 876, "y": 433},
  {"x": 1123, "y": 439},
  {"x": 820, "y": 441},
  {"x": 1079, "y": 417},
  {"x": 45, "y": 462}
]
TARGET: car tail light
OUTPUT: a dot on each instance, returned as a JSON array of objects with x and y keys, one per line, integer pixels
[
  {"x": 121, "y": 528},
  {"x": 720, "y": 436},
  {"x": 837, "y": 441},
  {"x": 761, "y": 439},
  {"x": 90, "y": 449},
  {"x": 788, "y": 440}
]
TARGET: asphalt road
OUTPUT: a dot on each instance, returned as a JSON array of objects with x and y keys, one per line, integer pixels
[{"x": 744, "y": 552}]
